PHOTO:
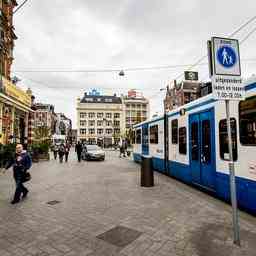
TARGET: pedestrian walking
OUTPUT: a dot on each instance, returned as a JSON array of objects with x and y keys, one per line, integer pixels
[
  {"x": 122, "y": 148},
  {"x": 79, "y": 150},
  {"x": 21, "y": 163},
  {"x": 125, "y": 145},
  {"x": 67, "y": 148},
  {"x": 55, "y": 151},
  {"x": 61, "y": 152}
]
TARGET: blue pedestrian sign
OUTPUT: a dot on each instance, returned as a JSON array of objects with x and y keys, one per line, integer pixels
[
  {"x": 226, "y": 56},
  {"x": 225, "y": 71},
  {"x": 226, "y": 59}
]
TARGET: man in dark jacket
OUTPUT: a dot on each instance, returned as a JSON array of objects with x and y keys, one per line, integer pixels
[
  {"x": 21, "y": 162},
  {"x": 79, "y": 149}
]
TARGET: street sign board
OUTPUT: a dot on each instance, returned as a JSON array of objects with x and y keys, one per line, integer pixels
[
  {"x": 226, "y": 57},
  {"x": 225, "y": 72},
  {"x": 227, "y": 88},
  {"x": 226, "y": 69},
  {"x": 191, "y": 75}
]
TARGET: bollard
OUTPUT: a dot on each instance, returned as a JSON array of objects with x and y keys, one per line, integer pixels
[{"x": 147, "y": 174}]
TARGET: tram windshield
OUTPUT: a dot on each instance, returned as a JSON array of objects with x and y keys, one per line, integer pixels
[{"x": 247, "y": 119}]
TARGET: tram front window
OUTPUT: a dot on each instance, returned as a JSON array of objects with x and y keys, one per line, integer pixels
[{"x": 247, "y": 119}]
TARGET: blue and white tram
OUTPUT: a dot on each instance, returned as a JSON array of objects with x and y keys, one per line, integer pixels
[{"x": 191, "y": 144}]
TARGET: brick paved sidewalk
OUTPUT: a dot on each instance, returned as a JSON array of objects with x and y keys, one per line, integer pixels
[{"x": 104, "y": 211}]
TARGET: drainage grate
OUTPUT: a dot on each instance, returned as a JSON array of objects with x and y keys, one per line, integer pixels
[
  {"x": 120, "y": 236},
  {"x": 53, "y": 202}
]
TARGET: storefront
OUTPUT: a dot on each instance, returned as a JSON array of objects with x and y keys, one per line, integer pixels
[{"x": 15, "y": 106}]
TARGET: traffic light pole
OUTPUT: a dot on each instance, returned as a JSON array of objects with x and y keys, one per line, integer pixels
[{"x": 232, "y": 179}]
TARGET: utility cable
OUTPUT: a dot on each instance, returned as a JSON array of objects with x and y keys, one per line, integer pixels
[
  {"x": 115, "y": 70},
  {"x": 19, "y": 7},
  {"x": 231, "y": 35},
  {"x": 241, "y": 43}
]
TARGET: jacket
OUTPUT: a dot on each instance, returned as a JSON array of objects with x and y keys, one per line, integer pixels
[
  {"x": 20, "y": 163},
  {"x": 79, "y": 148}
]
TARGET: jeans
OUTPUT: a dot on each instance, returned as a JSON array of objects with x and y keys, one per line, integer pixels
[
  {"x": 66, "y": 157},
  {"x": 20, "y": 188},
  {"x": 79, "y": 156}
]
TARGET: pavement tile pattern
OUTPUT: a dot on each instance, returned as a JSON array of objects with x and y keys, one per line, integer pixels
[{"x": 97, "y": 198}]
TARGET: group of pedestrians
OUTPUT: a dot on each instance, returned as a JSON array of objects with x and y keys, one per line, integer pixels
[{"x": 62, "y": 150}]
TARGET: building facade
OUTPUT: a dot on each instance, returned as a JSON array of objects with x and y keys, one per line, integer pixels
[
  {"x": 7, "y": 36},
  {"x": 136, "y": 109},
  {"x": 15, "y": 109},
  {"x": 15, "y": 104},
  {"x": 100, "y": 119},
  {"x": 45, "y": 117},
  {"x": 180, "y": 94},
  {"x": 64, "y": 126}
]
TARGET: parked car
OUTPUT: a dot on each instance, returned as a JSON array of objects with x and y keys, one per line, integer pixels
[{"x": 94, "y": 152}]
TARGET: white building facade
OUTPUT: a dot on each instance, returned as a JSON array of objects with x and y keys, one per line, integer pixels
[
  {"x": 136, "y": 109},
  {"x": 100, "y": 119}
]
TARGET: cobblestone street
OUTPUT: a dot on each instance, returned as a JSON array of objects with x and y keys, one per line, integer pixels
[{"x": 92, "y": 198}]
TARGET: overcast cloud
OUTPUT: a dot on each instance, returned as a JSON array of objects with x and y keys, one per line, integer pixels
[{"x": 98, "y": 34}]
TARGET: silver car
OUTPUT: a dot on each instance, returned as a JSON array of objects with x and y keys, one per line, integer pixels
[{"x": 94, "y": 152}]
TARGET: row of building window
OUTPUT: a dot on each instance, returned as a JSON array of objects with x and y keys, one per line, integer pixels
[
  {"x": 99, "y": 131},
  {"x": 143, "y": 106},
  {"x": 99, "y": 115},
  {"x": 135, "y": 113},
  {"x": 99, "y": 123}
]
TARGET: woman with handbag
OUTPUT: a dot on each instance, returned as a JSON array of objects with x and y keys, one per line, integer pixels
[{"x": 21, "y": 163}]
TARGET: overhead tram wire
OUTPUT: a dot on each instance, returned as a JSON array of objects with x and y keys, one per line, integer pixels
[
  {"x": 81, "y": 87},
  {"x": 104, "y": 70},
  {"x": 231, "y": 35},
  {"x": 116, "y": 70},
  {"x": 248, "y": 35},
  {"x": 197, "y": 63},
  {"x": 19, "y": 7}
]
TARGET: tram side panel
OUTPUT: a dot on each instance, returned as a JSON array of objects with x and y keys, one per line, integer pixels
[
  {"x": 178, "y": 148},
  {"x": 156, "y": 144},
  {"x": 243, "y": 126}
]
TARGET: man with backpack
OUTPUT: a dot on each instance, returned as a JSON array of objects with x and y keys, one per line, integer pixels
[{"x": 21, "y": 163}]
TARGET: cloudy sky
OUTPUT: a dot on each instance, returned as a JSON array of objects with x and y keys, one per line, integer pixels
[{"x": 98, "y": 35}]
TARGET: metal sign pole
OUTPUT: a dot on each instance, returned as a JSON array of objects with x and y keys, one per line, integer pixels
[{"x": 232, "y": 179}]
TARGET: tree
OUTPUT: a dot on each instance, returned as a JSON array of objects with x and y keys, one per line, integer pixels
[{"x": 42, "y": 134}]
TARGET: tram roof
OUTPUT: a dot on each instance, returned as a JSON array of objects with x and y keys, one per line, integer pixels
[{"x": 250, "y": 84}]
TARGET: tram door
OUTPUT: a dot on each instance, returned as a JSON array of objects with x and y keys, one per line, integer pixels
[
  {"x": 145, "y": 145},
  {"x": 202, "y": 148}
]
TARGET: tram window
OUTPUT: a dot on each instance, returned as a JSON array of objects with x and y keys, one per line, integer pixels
[
  {"x": 175, "y": 131},
  {"x": 194, "y": 142},
  {"x": 153, "y": 134},
  {"x": 183, "y": 140},
  {"x": 138, "y": 136},
  {"x": 206, "y": 141},
  {"x": 145, "y": 136},
  {"x": 223, "y": 139},
  {"x": 247, "y": 120},
  {"x": 133, "y": 137}
]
